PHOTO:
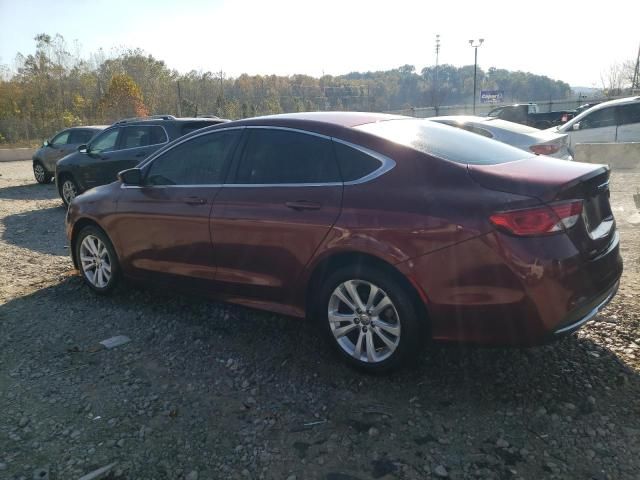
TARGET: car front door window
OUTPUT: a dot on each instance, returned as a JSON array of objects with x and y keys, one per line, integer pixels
[
  {"x": 599, "y": 119},
  {"x": 60, "y": 139},
  {"x": 198, "y": 161},
  {"x": 105, "y": 142}
]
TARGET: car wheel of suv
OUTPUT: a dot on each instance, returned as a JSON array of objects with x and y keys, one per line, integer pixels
[
  {"x": 68, "y": 190},
  {"x": 41, "y": 175},
  {"x": 370, "y": 318},
  {"x": 97, "y": 259}
]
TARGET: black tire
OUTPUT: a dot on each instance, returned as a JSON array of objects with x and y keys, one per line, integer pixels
[
  {"x": 111, "y": 258},
  {"x": 67, "y": 181},
  {"x": 413, "y": 329},
  {"x": 40, "y": 173}
]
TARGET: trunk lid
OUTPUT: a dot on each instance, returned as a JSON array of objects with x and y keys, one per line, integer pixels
[{"x": 551, "y": 180}]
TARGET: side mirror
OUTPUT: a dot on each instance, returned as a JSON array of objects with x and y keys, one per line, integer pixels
[
  {"x": 133, "y": 176},
  {"x": 45, "y": 143},
  {"x": 83, "y": 149},
  {"x": 576, "y": 126}
]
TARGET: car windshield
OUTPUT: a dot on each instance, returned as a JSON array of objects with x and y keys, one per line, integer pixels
[{"x": 443, "y": 141}]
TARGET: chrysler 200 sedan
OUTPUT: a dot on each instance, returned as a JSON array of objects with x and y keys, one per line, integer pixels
[{"x": 388, "y": 231}]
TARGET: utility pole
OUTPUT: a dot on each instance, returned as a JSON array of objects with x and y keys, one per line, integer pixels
[
  {"x": 435, "y": 96},
  {"x": 475, "y": 45},
  {"x": 636, "y": 74},
  {"x": 179, "y": 100}
]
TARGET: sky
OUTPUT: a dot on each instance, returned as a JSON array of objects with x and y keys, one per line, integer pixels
[{"x": 574, "y": 41}]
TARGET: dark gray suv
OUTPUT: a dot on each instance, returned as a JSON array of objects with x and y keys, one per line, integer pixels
[
  {"x": 61, "y": 144},
  {"x": 121, "y": 146}
]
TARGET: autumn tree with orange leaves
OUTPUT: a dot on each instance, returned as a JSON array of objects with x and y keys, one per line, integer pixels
[{"x": 123, "y": 99}]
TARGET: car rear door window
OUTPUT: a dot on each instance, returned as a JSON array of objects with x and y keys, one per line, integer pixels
[
  {"x": 273, "y": 156},
  {"x": 106, "y": 141},
  {"x": 605, "y": 117},
  {"x": 142, "y": 136},
  {"x": 354, "y": 164},
  {"x": 628, "y": 114},
  {"x": 201, "y": 160}
]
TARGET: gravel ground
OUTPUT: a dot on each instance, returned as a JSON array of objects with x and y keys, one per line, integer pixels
[{"x": 207, "y": 390}]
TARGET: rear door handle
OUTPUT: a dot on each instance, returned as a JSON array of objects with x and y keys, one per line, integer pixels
[
  {"x": 303, "y": 205},
  {"x": 141, "y": 154},
  {"x": 195, "y": 200}
]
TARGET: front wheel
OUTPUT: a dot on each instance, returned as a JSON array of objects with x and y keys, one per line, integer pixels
[
  {"x": 40, "y": 174},
  {"x": 97, "y": 259},
  {"x": 370, "y": 318},
  {"x": 68, "y": 190}
]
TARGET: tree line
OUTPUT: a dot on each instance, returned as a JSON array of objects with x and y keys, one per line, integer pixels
[{"x": 55, "y": 87}]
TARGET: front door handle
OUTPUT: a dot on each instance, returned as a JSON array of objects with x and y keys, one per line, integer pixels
[
  {"x": 303, "y": 205},
  {"x": 195, "y": 200},
  {"x": 141, "y": 154}
]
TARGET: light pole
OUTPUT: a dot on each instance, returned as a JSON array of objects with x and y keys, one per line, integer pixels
[
  {"x": 475, "y": 44},
  {"x": 435, "y": 96}
]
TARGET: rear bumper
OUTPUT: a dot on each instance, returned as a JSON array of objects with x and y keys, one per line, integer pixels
[
  {"x": 582, "y": 315},
  {"x": 501, "y": 290}
]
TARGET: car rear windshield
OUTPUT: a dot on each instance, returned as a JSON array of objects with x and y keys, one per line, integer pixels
[{"x": 443, "y": 141}]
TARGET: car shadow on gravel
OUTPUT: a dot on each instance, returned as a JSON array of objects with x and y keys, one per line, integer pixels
[
  {"x": 33, "y": 191},
  {"x": 216, "y": 370},
  {"x": 38, "y": 230}
]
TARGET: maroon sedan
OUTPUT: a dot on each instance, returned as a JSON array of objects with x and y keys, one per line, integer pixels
[{"x": 387, "y": 230}]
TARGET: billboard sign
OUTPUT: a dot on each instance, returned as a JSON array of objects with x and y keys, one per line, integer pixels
[{"x": 491, "y": 96}]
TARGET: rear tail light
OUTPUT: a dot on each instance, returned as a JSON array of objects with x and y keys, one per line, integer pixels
[
  {"x": 545, "y": 148},
  {"x": 545, "y": 220}
]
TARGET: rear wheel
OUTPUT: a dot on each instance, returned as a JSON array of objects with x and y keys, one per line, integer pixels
[
  {"x": 40, "y": 174},
  {"x": 68, "y": 190},
  {"x": 370, "y": 318},
  {"x": 97, "y": 259}
]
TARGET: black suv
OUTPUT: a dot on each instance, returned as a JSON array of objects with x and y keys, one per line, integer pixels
[{"x": 121, "y": 146}]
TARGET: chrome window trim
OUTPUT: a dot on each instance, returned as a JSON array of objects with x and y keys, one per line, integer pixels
[
  {"x": 202, "y": 185},
  {"x": 387, "y": 163}
]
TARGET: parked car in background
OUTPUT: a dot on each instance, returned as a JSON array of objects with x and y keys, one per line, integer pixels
[
  {"x": 615, "y": 121},
  {"x": 529, "y": 114},
  {"x": 584, "y": 107},
  {"x": 61, "y": 144},
  {"x": 122, "y": 145},
  {"x": 387, "y": 230},
  {"x": 529, "y": 139}
]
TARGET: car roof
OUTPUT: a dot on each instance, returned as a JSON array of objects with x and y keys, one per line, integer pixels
[
  {"x": 343, "y": 119},
  {"x": 326, "y": 123},
  {"x": 160, "y": 119},
  {"x": 92, "y": 127}
]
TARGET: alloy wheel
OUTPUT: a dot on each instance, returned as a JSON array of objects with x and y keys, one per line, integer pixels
[
  {"x": 364, "y": 321},
  {"x": 69, "y": 191},
  {"x": 39, "y": 173},
  {"x": 95, "y": 261}
]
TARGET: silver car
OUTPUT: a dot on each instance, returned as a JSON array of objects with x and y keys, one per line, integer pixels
[
  {"x": 542, "y": 142},
  {"x": 61, "y": 144}
]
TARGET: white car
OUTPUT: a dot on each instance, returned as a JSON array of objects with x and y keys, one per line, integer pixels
[
  {"x": 529, "y": 139},
  {"x": 616, "y": 121}
]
